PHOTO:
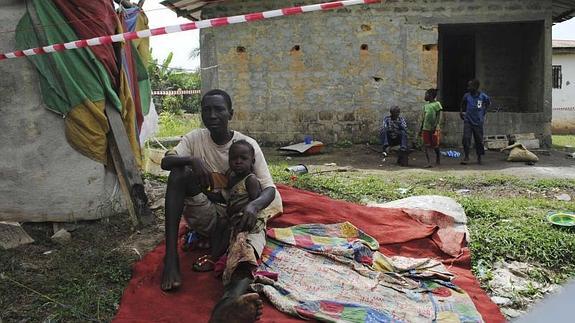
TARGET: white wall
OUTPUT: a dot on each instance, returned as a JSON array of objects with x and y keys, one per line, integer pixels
[{"x": 564, "y": 98}]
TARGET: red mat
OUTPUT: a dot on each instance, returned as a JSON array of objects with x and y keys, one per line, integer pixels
[{"x": 397, "y": 232}]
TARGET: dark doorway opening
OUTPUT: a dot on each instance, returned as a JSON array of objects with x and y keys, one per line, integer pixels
[
  {"x": 457, "y": 48},
  {"x": 507, "y": 58}
]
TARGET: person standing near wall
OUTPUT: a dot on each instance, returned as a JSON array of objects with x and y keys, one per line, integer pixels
[
  {"x": 474, "y": 106},
  {"x": 429, "y": 129}
]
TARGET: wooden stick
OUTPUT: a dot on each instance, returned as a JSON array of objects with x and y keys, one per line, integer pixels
[{"x": 126, "y": 169}]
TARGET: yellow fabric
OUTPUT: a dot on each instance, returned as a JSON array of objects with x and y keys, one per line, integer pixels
[
  {"x": 142, "y": 44},
  {"x": 86, "y": 130},
  {"x": 129, "y": 116}
]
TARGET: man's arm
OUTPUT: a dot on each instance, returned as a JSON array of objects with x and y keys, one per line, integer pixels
[
  {"x": 385, "y": 124},
  {"x": 439, "y": 118},
  {"x": 200, "y": 170},
  {"x": 462, "y": 108},
  {"x": 487, "y": 104},
  {"x": 422, "y": 121},
  {"x": 171, "y": 161}
]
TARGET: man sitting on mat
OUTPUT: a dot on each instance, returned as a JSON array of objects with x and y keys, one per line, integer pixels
[{"x": 198, "y": 164}]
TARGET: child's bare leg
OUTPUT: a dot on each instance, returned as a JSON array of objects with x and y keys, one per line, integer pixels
[{"x": 427, "y": 149}]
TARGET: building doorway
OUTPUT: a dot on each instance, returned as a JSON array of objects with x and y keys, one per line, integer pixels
[{"x": 457, "y": 56}]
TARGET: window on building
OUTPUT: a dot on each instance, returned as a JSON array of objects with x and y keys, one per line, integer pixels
[{"x": 557, "y": 77}]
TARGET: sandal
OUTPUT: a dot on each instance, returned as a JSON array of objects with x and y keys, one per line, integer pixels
[
  {"x": 203, "y": 264},
  {"x": 192, "y": 241}
]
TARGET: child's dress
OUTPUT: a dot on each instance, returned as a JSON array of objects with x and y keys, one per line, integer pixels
[{"x": 240, "y": 249}]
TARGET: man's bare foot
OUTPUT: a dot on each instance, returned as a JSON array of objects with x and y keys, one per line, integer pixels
[
  {"x": 465, "y": 161},
  {"x": 171, "y": 278},
  {"x": 243, "y": 309}
]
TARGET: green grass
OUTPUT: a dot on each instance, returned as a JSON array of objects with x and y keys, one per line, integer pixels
[
  {"x": 505, "y": 221},
  {"x": 172, "y": 125},
  {"x": 560, "y": 141}
]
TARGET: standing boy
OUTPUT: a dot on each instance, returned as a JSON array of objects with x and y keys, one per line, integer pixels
[
  {"x": 429, "y": 131},
  {"x": 473, "y": 109}
]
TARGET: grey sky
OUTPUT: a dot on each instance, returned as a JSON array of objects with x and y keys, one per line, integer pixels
[{"x": 182, "y": 44}]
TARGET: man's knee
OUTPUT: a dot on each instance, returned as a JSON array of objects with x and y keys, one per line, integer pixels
[
  {"x": 177, "y": 176},
  {"x": 181, "y": 177}
]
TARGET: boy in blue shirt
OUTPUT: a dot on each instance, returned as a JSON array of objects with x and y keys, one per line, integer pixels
[{"x": 474, "y": 106}]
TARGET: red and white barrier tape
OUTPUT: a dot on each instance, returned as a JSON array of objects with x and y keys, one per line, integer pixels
[{"x": 215, "y": 22}]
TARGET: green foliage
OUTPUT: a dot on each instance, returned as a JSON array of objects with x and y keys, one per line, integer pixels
[
  {"x": 560, "y": 141},
  {"x": 172, "y": 124},
  {"x": 343, "y": 144},
  {"x": 172, "y": 105},
  {"x": 163, "y": 77}
]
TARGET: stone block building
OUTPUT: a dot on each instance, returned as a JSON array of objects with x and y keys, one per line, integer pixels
[{"x": 334, "y": 75}]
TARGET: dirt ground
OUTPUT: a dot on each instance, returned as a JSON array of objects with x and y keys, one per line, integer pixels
[{"x": 552, "y": 163}]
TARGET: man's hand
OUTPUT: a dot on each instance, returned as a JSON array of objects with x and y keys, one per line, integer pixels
[
  {"x": 249, "y": 218},
  {"x": 203, "y": 175},
  {"x": 462, "y": 115}
]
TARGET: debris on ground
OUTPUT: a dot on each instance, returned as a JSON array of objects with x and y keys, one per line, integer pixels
[
  {"x": 451, "y": 154},
  {"x": 61, "y": 236},
  {"x": 70, "y": 227},
  {"x": 403, "y": 190},
  {"x": 518, "y": 153},
  {"x": 156, "y": 191},
  {"x": 158, "y": 204},
  {"x": 312, "y": 148},
  {"x": 335, "y": 170},
  {"x": 512, "y": 287},
  {"x": 463, "y": 191},
  {"x": 13, "y": 235},
  {"x": 298, "y": 169},
  {"x": 563, "y": 197}
]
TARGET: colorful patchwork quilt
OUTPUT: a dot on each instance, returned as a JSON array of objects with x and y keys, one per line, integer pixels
[{"x": 334, "y": 273}]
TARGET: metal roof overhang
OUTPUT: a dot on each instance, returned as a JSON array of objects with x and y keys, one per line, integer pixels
[{"x": 192, "y": 9}]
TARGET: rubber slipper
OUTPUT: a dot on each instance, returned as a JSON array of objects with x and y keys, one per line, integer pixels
[{"x": 203, "y": 264}]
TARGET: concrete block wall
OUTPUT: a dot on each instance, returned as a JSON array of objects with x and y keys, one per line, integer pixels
[{"x": 333, "y": 75}]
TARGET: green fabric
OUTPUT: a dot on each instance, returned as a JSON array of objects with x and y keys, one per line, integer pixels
[
  {"x": 431, "y": 116},
  {"x": 143, "y": 82},
  {"x": 67, "y": 78}
]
